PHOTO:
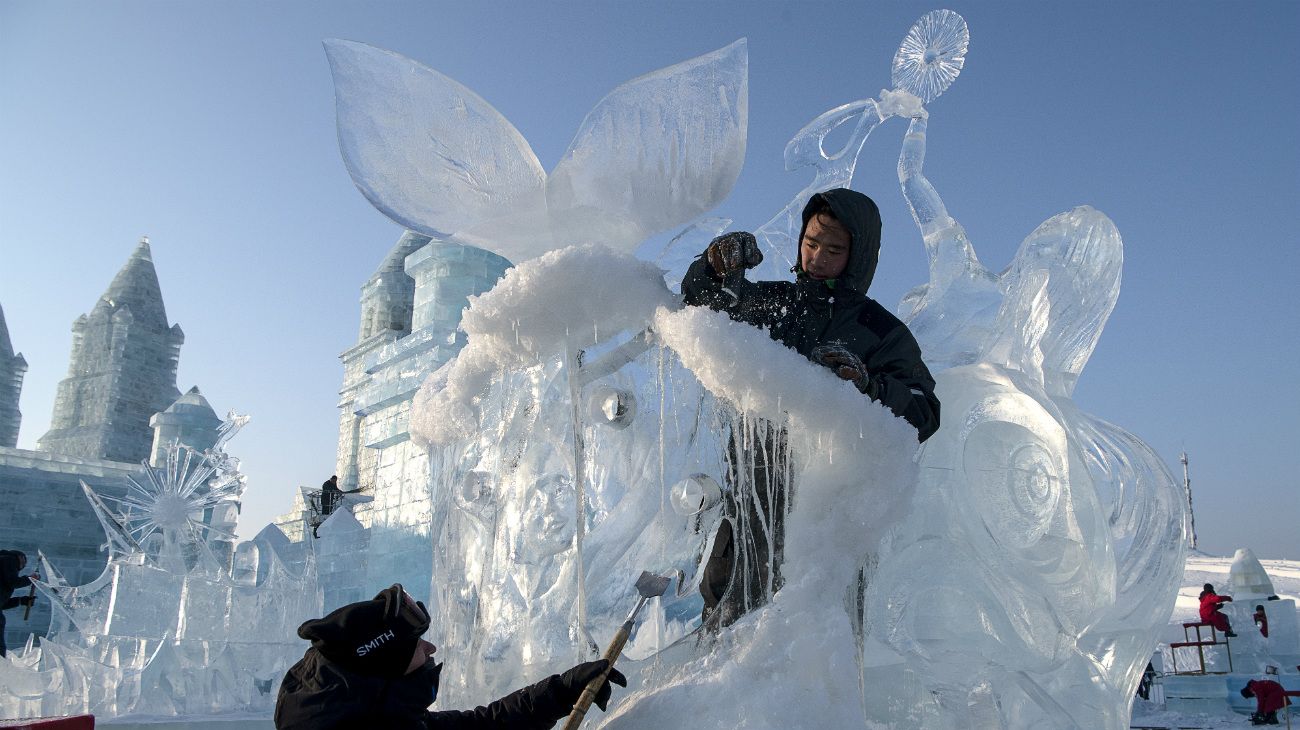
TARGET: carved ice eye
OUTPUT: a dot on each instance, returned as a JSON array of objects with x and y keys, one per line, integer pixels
[{"x": 1015, "y": 478}]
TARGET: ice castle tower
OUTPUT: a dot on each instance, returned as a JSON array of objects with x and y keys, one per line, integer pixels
[
  {"x": 12, "y": 369},
  {"x": 122, "y": 370},
  {"x": 410, "y": 312}
]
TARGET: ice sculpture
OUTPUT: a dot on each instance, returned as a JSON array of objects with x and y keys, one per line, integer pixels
[
  {"x": 432, "y": 155},
  {"x": 178, "y": 623},
  {"x": 1044, "y": 545},
  {"x": 1010, "y": 574}
]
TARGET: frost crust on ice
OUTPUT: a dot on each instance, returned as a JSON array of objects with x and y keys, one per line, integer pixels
[{"x": 562, "y": 299}]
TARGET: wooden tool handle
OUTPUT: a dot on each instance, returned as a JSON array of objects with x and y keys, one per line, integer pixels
[
  {"x": 31, "y": 593},
  {"x": 593, "y": 687}
]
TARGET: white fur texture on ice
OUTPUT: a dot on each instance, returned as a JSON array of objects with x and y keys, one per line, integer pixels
[{"x": 570, "y": 298}]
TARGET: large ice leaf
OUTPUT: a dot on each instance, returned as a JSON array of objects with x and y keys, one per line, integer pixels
[
  {"x": 427, "y": 152},
  {"x": 655, "y": 153}
]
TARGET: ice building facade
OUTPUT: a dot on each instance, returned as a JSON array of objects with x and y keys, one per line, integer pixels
[
  {"x": 178, "y": 622},
  {"x": 12, "y": 368},
  {"x": 410, "y": 317}
]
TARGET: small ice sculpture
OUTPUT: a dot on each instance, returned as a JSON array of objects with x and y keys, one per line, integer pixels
[{"x": 178, "y": 623}]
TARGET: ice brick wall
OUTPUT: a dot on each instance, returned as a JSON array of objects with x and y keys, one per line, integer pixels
[
  {"x": 45, "y": 509},
  {"x": 399, "y": 521}
]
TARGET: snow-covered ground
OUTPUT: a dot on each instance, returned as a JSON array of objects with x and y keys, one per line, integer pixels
[{"x": 1201, "y": 569}]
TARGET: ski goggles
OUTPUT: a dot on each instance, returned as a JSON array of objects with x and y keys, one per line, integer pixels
[{"x": 409, "y": 612}]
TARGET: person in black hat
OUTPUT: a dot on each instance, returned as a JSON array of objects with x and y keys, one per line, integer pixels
[{"x": 368, "y": 668}]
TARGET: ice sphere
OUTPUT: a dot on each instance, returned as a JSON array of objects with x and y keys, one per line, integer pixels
[
  {"x": 695, "y": 494},
  {"x": 613, "y": 407}
]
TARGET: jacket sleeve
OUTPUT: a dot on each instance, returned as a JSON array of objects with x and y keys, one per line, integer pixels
[
  {"x": 901, "y": 381},
  {"x": 9, "y": 573},
  {"x": 536, "y": 707},
  {"x": 11, "y": 603}
]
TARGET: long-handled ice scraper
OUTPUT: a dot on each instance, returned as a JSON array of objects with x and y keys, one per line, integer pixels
[{"x": 648, "y": 586}]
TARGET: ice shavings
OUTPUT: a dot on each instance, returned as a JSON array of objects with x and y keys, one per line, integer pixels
[{"x": 564, "y": 299}]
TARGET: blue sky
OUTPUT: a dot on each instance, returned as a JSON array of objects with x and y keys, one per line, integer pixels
[{"x": 210, "y": 128}]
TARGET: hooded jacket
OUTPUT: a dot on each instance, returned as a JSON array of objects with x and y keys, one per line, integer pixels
[
  {"x": 10, "y": 581},
  {"x": 807, "y": 312}
]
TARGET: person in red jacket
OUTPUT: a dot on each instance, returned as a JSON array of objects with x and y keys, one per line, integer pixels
[
  {"x": 1210, "y": 613},
  {"x": 1261, "y": 620},
  {"x": 1269, "y": 698}
]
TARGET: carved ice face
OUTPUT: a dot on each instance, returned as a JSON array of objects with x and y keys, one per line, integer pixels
[{"x": 547, "y": 524}]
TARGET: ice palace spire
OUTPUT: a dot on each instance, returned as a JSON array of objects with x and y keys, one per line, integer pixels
[{"x": 122, "y": 369}]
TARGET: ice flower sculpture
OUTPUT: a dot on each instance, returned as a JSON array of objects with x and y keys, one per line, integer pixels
[{"x": 435, "y": 157}]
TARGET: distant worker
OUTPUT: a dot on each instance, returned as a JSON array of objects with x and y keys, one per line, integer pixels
[
  {"x": 12, "y": 562},
  {"x": 1269, "y": 698},
  {"x": 330, "y": 495},
  {"x": 1210, "y": 613},
  {"x": 1148, "y": 679},
  {"x": 1261, "y": 620},
  {"x": 368, "y": 668}
]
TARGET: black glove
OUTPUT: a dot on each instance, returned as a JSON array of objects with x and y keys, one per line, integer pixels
[
  {"x": 572, "y": 682},
  {"x": 27, "y": 601},
  {"x": 732, "y": 252},
  {"x": 846, "y": 365}
]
